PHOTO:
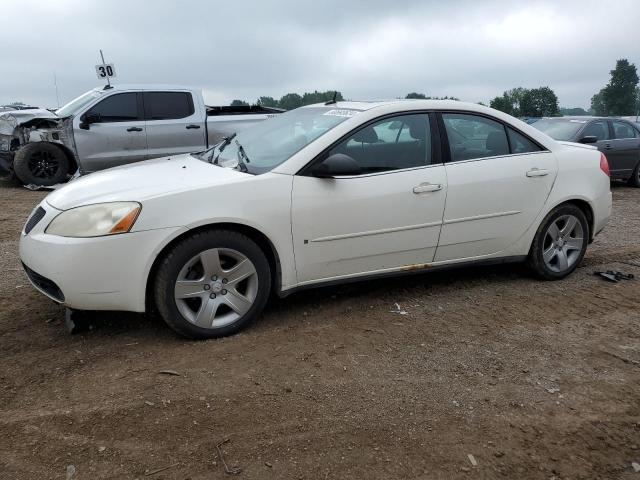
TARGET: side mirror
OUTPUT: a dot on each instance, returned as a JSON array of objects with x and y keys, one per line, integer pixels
[
  {"x": 588, "y": 139},
  {"x": 89, "y": 118},
  {"x": 336, "y": 165}
]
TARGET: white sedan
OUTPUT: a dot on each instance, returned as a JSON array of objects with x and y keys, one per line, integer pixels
[{"x": 322, "y": 194}]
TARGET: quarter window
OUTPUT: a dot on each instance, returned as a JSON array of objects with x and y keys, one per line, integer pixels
[
  {"x": 121, "y": 107},
  {"x": 521, "y": 144},
  {"x": 473, "y": 136},
  {"x": 167, "y": 105},
  {"x": 623, "y": 130},
  {"x": 390, "y": 144},
  {"x": 597, "y": 129}
]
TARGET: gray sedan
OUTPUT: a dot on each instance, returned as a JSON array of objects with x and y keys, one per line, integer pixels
[{"x": 617, "y": 138}]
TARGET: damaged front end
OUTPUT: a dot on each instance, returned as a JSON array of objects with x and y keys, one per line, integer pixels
[{"x": 20, "y": 127}]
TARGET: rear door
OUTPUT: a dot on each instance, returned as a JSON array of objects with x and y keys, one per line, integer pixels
[
  {"x": 118, "y": 137},
  {"x": 498, "y": 182},
  {"x": 387, "y": 218},
  {"x": 624, "y": 149},
  {"x": 174, "y": 123}
]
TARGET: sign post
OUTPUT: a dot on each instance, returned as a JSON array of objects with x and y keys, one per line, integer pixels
[{"x": 106, "y": 70}]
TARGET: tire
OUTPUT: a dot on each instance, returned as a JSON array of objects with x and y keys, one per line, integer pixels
[
  {"x": 193, "y": 294},
  {"x": 634, "y": 181},
  {"x": 555, "y": 253},
  {"x": 41, "y": 163}
]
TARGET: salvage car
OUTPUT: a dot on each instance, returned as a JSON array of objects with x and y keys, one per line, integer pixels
[
  {"x": 115, "y": 125},
  {"x": 618, "y": 138},
  {"x": 319, "y": 195}
]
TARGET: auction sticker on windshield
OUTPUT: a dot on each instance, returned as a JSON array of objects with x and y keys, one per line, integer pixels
[{"x": 341, "y": 113}]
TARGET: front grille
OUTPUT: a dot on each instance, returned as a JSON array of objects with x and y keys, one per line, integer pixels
[
  {"x": 44, "y": 284},
  {"x": 34, "y": 219}
]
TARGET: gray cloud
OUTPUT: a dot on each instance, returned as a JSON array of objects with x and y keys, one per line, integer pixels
[{"x": 366, "y": 48}]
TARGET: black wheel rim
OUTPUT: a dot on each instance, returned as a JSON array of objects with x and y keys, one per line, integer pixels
[{"x": 43, "y": 165}]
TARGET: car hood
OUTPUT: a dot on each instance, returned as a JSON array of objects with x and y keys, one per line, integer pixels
[{"x": 141, "y": 181}]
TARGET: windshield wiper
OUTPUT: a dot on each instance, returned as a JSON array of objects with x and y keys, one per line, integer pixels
[
  {"x": 225, "y": 141},
  {"x": 242, "y": 165}
]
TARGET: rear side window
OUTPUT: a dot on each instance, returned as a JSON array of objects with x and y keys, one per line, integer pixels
[
  {"x": 473, "y": 136},
  {"x": 597, "y": 129},
  {"x": 121, "y": 107},
  {"x": 167, "y": 105},
  {"x": 521, "y": 144},
  {"x": 623, "y": 130}
]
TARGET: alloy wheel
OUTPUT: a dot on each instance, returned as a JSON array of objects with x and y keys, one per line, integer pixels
[
  {"x": 43, "y": 165},
  {"x": 216, "y": 288},
  {"x": 563, "y": 243}
]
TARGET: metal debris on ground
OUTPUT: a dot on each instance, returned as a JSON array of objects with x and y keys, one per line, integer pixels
[
  {"x": 636, "y": 467},
  {"x": 71, "y": 472},
  {"x": 613, "y": 276},
  {"x": 399, "y": 310},
  {"x": 170, "y": 372},
  {"x": 472, "y": 459},
  {"x": 227, "y": 470}
]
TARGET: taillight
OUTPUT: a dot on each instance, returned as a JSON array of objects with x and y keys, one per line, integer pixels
[{"x": 604, "y": 165}]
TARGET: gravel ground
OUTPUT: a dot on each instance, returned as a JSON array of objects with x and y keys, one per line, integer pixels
[{"x": 535, "y": 380}]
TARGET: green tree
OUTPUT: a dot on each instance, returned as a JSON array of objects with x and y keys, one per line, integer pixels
[
  {"x": 290, "y": 101},
  {"x": 416, "y": 95},
  {"x": 267, "y": 102},
  {"x": 239, "y": 103},
  {"x": 509, "y": 102},
  {"x": 619, "y": 96},
  {"x": 539, "y": 102}
]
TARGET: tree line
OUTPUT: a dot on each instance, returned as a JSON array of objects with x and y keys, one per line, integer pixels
[{"x": 621, "y": 96}]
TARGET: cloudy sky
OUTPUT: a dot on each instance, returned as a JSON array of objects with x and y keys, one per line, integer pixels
[{"x": 368, "y": 49}]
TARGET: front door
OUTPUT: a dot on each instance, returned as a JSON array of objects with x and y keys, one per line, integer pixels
[
  {"x": 498, "y": 182},
  {"x": 117, "y": 137},
  {"x": 387, "y": 218},
  {"x": 623, "y": 152}
]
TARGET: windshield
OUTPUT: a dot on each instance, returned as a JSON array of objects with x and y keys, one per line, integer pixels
[
  {"x": 77, "y": 104},
  {"x": 559, "y": 128},
  {"x": 269, "y": 143}
]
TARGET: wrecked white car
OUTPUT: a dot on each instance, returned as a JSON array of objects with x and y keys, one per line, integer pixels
[{"x": 112, "y": 126}]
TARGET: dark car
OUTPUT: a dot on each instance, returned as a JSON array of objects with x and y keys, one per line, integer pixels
[{"x": 617, "y": 138}]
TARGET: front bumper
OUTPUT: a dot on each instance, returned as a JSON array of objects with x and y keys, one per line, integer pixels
[{"x": 101, "y": 273}]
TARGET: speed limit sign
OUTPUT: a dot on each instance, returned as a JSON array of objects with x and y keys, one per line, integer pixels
[{"x": 106, "y": 70}]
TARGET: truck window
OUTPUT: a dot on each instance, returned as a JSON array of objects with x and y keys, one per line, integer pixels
[
  {"x": 121, "y": 107},
  {"x": 167, "y": 105}
]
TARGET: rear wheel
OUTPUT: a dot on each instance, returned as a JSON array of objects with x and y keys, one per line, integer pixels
[
  {"x": 560, "y": 243},
  {"x": 41, "y": 163},
  {"x": 212, "y": 284},
  {"x": 634, "y": 181}
]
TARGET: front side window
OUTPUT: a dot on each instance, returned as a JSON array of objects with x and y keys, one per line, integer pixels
[
  {"x": 121, "y": 107},
  {"x": 623, "y": 130},
  {"x": 597, "y": 129},
  {"x": 167, "y": 105},
  {"x": 394, "y": 143},
  {"x": 473, "y": 136}
]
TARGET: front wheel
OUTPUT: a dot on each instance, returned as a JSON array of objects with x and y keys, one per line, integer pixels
[
  {"x": 560, "y": 243},
  {"x": 212, "y": 284},
  {"x": 41, "y": 163},
  {"x": 634, "y": 181}
]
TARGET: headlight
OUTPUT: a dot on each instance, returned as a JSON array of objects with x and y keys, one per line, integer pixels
[{"x": 95, "y": 220}]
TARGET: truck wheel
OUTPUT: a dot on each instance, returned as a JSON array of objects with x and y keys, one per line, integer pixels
[
  {"x": 212, "y": 284},
  {"x": 41, "y": 163}
]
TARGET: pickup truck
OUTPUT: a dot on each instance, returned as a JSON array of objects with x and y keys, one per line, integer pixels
[{"x": 115, "y": 125}]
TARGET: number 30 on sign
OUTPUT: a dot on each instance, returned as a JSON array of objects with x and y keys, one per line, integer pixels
[{"x": 107, "y": 70}]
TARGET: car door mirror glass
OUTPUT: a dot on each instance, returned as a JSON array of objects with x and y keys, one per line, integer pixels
[
  {"x": 588, "y": 139},
  {"x": 335, "y": 165}
]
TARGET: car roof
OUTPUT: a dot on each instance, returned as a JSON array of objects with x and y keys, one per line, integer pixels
[
  {"x": 402, "y": 104},
  {"x": 144, "y": 86}
]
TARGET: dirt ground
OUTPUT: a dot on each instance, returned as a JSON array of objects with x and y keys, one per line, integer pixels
[{"x": 536, "y": 380}]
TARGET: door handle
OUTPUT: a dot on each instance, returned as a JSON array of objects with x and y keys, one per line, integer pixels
[
  {"x": 189, "y": 127},
  {"x": 607, "y": 147},
  {"x": 537, "y": 172},
  {"x": 134, "y": 129},
  {"x": 427, "y": 187}
]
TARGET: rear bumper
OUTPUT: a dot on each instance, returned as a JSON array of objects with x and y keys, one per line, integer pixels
[{"x": 602, "y": 212}]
